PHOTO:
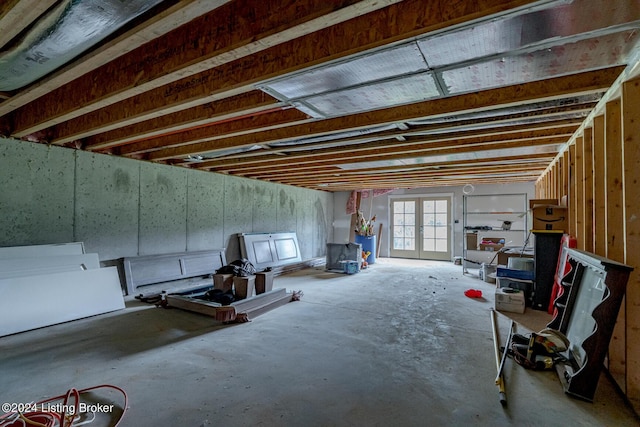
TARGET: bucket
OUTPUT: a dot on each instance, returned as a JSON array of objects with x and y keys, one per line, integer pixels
[
  {"x": 368, "y": 245},
  {"x": 488, "y": 272}
]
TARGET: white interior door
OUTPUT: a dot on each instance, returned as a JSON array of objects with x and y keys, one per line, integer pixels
[{"x": 421, "y": 228}]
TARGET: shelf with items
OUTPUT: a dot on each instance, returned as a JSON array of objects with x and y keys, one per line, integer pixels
[{"x": 500, "y": 219}]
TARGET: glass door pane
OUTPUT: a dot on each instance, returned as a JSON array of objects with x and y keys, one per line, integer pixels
[
  {"x": 403, "y": 214},
  {"x": 436, "y": 229}
]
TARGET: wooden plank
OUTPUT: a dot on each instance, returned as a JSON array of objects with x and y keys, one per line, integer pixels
[
  {"x": 252, "y": 307},
  {"x": 572, "y": 199},
  {"x": 331, "y": 171},
  {"x": 583, "y": 83},
  {"x": 354, "y": 218},
  {"x": 588, "y": 189},
  {"x": 224, "y": 138},
  {"x": 130, "y": 129},
  {"x": 208, "y": 308},
  {"x": 564, "y": 193},
  {"x": 393, "y": 149},
  {"x": 269, "y": 119},
  {"x": 579, "y": 206},
  {"x": 420, "y": 174},
  {"x": 383, "y": 148},
  {"x": 615, "y": 229},
  {"x": 599, "y": 188},
  {"x": 614, "y": 179},
  {"x": 631, "y": 142},
  {"x": 253, "y": 102},
  {"x": 29, "y": 302}
]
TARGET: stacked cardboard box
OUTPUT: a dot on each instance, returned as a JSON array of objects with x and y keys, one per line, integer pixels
[
  {"x": 491, "y": 243},
  {"x": 511, "y": 300},
  {"x": 550, "y": 218}
]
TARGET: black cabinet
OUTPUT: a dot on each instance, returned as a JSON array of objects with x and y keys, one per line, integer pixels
[
  {"x": 587, "y": 308},
  {"x": 547, "y": 249}
]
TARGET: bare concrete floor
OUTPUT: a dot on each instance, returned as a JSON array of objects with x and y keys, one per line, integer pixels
[{"x": 395, "y": 345}]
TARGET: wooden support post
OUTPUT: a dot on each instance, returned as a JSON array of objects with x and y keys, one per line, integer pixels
[
  {"x": 587, "y": 160},
  {"x": 615, "y": 229},
  {"x": 579, "y": 206},
  {"x": 572, "y": 199},
  {"x": 354, "y": 218},
  {"x": 615, "y": 190},
  {"x": 599, "y": 188},
  {"x": 379, "y": 240},
  {"x": 564, "y": 193},
  {"x": 631, "y": 186}
]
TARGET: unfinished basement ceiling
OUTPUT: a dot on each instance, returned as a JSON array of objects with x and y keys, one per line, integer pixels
[{"x": 329, "y": 95}]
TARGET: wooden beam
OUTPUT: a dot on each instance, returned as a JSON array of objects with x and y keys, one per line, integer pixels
[
  {"x": 480, "y": 170},
  {"x": 16, "y": 15},
  {"x": 599, "y": 188},
  {"x": 631, "y": 142},
  {"x": 173, "y": 15},
  {"x": 231, "y": 31},
  {"x": 430, "y": 182},
  {"x": 388, "y": 150},
  {"x": 246, "y": 104},
  {"x": 225, "y": 135},
  {"x": 398, "y": 152},
  {"x": 589, "y": 82},
  {"x": 263, "y": 121},
  {"x": 331, "y": 170},
  {"x": 227, "y": 63}
]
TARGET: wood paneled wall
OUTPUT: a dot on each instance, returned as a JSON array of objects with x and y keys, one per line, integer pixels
[{"x": 599, "y": 177}]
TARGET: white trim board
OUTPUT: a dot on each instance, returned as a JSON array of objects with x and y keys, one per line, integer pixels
[
  {"x": 51, "y": 264},
  {"x": 34, "y": 251},
  {"x": 32, "y": 302}
]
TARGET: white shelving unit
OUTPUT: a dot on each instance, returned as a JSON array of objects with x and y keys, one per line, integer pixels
[{"x": 495, "y": 216}]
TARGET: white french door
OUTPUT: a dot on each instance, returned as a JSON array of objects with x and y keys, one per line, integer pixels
[{"x": 421, "y": 227}]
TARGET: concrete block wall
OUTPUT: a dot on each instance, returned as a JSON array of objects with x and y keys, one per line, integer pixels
[{"x": 121, "y": 207}]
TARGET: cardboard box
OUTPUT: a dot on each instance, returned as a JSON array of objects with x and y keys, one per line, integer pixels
[
  {"x": 550, "y": 217},
  {"x": 511, "y": 300},
  {"x": 491, "y": 243},
  {"x": 542, "y": 202},
  {"x": 526, "y": 286},
  {"x": 503, "y": 257},
  {"x": 244, "y": 286},
  {"x": 264, "y": 282},
  {"x": 472, "y": 240},
  {"x": 223, "y": 282}
]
